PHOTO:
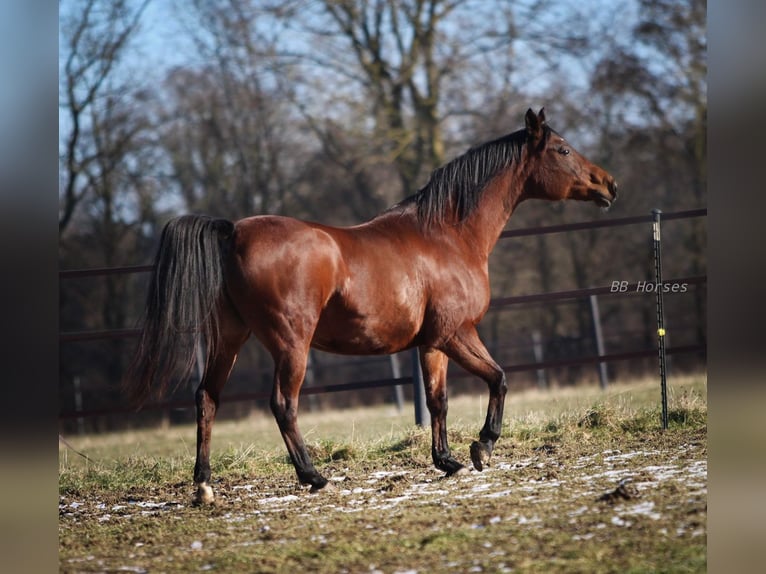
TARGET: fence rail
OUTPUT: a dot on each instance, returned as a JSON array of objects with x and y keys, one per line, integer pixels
[
  {"x": 496, "y": 303},
  {"x": 362, "y": 385},
  {"x": 100, "y": 271},
  {"x": 599, "y": 223}
]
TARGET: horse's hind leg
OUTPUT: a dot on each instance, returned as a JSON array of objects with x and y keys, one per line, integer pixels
[
  {"x": 290, "y": 369},
  {"x": 434, "y": 366},
  {"x": 469, "y": 352},
  {"x": 208, "y": 393}
]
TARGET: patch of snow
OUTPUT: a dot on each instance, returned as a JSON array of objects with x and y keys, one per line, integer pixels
[
  {"x": 579, "y": 511},
  {"x": 384, "y": 473},
  {"x": 643, "y": 509},
  {"x": 587, "y": 536},
  {"x": 618, "y": 521},
  {"x": 275, "y": 499},
  {"x": 247, "y": 487},
  {"x": 506, "y": 466},
  {"x": 482, "y": 487},
  {"x": 534, "y": 520},
  {"x": 498, "y": 494},
  {"x": 145, "y": 504},
  {"x": 626, "y": 456}
]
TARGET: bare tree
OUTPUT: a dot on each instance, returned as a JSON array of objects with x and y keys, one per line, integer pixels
[
  {"x": 107, "y": 195},
  {"x": 96, "y": 36},
  {"x": 226, "y": 128},
  {"x": 407, "y": 56}
]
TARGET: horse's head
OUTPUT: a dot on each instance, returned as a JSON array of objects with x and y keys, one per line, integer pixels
[{"x": 559, "y": 171}]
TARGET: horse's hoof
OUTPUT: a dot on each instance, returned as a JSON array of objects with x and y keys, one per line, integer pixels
[
  {"x": 326, "y": 487},
  {"x": 460, "y": 471},
  {"x": 204, "y": 494},
  {"x": 480, "y": 455},
  {"x": 453, "y": 468}
]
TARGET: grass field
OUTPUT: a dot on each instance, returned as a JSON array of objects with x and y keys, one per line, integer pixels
[{"x": 581, "y": 481}]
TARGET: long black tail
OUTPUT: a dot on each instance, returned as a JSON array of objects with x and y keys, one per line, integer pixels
[{"x": 182, "y": 304}]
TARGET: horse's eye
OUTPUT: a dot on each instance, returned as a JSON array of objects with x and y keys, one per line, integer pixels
[{"x": 564, "y": 150}]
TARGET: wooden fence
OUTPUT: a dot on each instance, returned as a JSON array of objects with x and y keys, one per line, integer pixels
[{"x": 421, "y": 415}]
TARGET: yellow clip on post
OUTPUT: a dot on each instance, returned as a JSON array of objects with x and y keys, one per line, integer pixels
[{"x": 661, "y": 332}]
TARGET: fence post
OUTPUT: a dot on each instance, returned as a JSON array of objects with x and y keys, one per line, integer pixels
[
  {"x": 657, "y": 239},
  {"x": 596, "y": 316},
  {"x": 422, "y": 416},
  {"x": 78, "y": 405},
  {"x": 537, "y": 349},
  {"x": 309, "y": 381}
]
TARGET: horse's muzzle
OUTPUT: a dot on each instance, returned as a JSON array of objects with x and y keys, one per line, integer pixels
[
  {"x": 612, "y": 186},
  {"x": 605, "y": 195}
]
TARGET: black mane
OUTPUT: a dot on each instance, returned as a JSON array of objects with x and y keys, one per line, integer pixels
[{"x": 453, "y": 190}]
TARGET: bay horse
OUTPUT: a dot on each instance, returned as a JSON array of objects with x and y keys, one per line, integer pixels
[{"x": 414, "y": 276}]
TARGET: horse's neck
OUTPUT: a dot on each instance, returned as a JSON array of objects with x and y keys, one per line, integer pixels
[{"x": 498, "y": 201}]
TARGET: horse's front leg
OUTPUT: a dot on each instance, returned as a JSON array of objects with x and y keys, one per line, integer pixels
[
  {"x": 434, "y": 366},
  {"x": 468, "y": 351}
]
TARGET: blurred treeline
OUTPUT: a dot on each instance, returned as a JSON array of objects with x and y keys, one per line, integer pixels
[{"x": 332, "y": 110}]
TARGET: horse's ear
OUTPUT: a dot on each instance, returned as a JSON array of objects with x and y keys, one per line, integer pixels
[
  {"x": 541, "y": 116},
  {"x": 534, "y": 123}
]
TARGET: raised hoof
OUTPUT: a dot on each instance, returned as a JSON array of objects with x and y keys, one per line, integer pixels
[
  {"x": 480, "y": 455},
  {"x": 204, "y": 494}
]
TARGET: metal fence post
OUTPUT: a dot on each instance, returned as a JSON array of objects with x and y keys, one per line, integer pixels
[
  {"x": 78, "y": 405},
  {"x": 537, "y": 350},
  {"x": 309, "y": 381},
  {"x": 597, "y": 334},
  {"x": 657, "y": 239},
  {"x": 422, "y": 416}
]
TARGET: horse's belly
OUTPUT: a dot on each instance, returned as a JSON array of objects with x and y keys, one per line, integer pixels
[{"x": 387, "y": 328}]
